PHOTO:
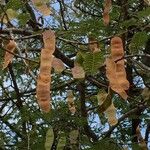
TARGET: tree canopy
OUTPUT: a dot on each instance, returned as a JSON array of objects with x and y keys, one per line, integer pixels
[{"x": 74, "y": 74}]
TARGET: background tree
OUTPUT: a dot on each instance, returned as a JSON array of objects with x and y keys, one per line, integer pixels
[{"x": 83, "y": 32}]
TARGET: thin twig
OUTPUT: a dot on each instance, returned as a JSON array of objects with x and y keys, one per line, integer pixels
[{"x": 128, "y": 114}]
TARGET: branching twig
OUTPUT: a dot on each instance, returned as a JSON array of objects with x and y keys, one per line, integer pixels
[{"x": 128, "y": 114}]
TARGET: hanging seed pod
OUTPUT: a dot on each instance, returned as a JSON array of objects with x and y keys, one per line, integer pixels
[
  {"x": 70, "y": 102},
  {"x": 121, "y": 75},
  {"x": 73, "y": 136},
  {"x": 93, "y": 45},
  {"x": 113, "y": 79},
  {"x": 42, "y": 7},
  {"x": 115, "y": 70},
  {"x": 142, "y": 142},
  {"x": 11, "y": 46},
  {"x": 44, "y": 78},
  {"x": 117, "y": 51},
  {"x": 58, "y": 65},
  {"x": 111, "y": 114},
  {"x": 78, "y": 71},
  {"x": 107, "y": 7}
]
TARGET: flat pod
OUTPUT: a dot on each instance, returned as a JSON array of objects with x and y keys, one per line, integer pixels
[
  {"x": 45, "y": 106},
  {"x": 58, "y": 65},
  {"x": 78, "y": 71},
  {"x": 43, "y": 91},
  {"x": 107, "y": 7},
  {"x": 49, "y": 40},
  {"x": 117, "y": 51},
  {"x": 113, "y": 79},
  {"x": 93, "y": 45},
  {"x": 46, "y": 55},
  {"x": 111, "y": 114},
  {"x": 70, "y": 102},
  {"x": 8, "y": 56},
  {"x": 42, "y": 7},
  {"x": 44, "y": 78},
  {"x": 44, "y": 68},
  {"x": 121, "y": 75}
]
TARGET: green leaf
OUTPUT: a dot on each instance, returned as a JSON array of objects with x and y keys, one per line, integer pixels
[
  {"x": 107, "y": 102},
  {"x": 106, "y": 144},
  {"x": 49, "y": 139},
  {"x": 128, "y": 23},
  {"x": 14, "y": 4},
  {"x": 2, "y": 140},
  {"x": 144, "y": 13},
  {"x": 92, "y": 62},
  {"x": 138, "y": 42},
  {"x": 80, "y": 57},
  {"x": 61, "y": 142},
  {"x": 23, "y": 18}
]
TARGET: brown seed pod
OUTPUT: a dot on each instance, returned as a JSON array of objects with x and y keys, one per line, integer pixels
[
  {"x": 78, "y": 71},
  {"x": 107, "y": 7},
  {"x": 42, "y": 7},
  {"x": 49, "y": 40},
  {"x": 93, "y": 45},
  {"x": 114, "y": 82},
  {"x": 115, "y": 68},
  {"x": 58, "y": 65},
  {"x": 117, "y": 51},
  {"x": 142, "y": 142},
  {"x": 111, "y": 114},
  {"x": 44, "y": 78},
  {"x": 11, "y": 46},
  {"x": 121, "y": 75},
  {"x": 70, "y": 102}
]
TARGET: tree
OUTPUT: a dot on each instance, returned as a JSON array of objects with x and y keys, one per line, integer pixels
[{"x": 87, "y": 112}]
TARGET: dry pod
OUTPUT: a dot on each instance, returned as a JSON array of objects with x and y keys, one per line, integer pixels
[
  {"x": 115, "y": 68},
  {"x": 113, "y": 79},
  {"x": 42, "y": 7},
  {"x": 44, "y": 78},
  {"x": 147, "y": 2},
  {"x": 11, "y": 46},
  {"x": 49, "y": 40},
  {"x": 146, "y": 94},
  {"x": 93, "y": 45},
  {"x": 70, "y": 102},
  {"x": 111, "y": 114},
  {"x": 101, "y": 97},
  {"x": 78, "y": 71},
  {"x": 121, "y": 75},
  {"x": 117, "y": 51},
  {"x": 58, "y": 65},
  {"x": 73, "y": 136},
  {"x": 107, "y": 7},
  {"x": 142, "y": 142}
]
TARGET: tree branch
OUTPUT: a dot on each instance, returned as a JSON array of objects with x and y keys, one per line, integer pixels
[
  {"x": 87, "y": 128},
  {"x": 128, "y": 114}
]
